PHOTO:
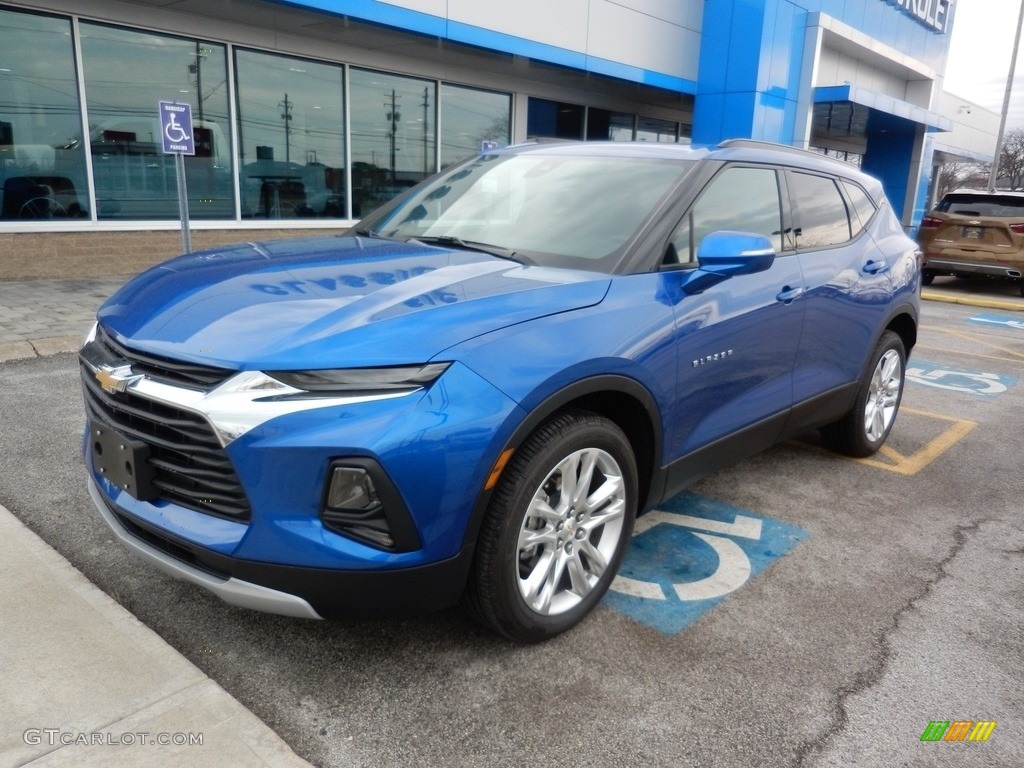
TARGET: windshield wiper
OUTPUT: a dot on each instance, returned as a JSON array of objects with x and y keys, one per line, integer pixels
[
  {"x": 469, "y": 245},
  {"x": 362, "y": 232}
]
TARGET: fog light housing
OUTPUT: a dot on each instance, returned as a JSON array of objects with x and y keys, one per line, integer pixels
[
  {"x": 352, "y": 488},
  {"x": 361, "y": 502}
]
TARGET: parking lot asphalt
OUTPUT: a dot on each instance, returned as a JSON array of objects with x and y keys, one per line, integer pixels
[{"x": 896, "y": 603}]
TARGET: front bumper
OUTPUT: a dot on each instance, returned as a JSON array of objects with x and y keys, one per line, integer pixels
[{"x": 308, "y": 593}]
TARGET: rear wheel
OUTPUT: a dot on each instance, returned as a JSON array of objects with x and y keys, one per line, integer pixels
[
  {"x": 556, "y": 529},
  {"x": 927, "y": 276},
  {"x": 865, "y": 427}
]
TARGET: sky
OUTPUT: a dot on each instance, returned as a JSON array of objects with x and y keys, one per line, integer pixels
[{"x": 979, "y": 56}]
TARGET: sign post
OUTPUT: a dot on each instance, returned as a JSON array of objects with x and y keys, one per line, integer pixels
[{"x": 178, "y": 140}]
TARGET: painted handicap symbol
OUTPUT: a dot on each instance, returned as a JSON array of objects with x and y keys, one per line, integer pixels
[
  {"x": 960, "y": 381},
  {"x": 733, "y": 564},
  {"x": 690, "y": 555}
]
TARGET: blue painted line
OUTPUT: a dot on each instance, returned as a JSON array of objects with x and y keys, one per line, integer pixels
[{"x": 668, "y": 557}]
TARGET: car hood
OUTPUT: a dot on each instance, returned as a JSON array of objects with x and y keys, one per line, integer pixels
[{"x": 333, "y": 302}]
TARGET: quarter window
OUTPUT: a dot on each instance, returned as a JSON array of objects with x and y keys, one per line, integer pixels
[
  {"x": 822, "y": 219},
  {"x": 863, "y": 208}
]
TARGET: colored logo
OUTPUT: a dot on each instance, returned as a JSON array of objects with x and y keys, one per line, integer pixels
[{"x": 958, "y": 730}]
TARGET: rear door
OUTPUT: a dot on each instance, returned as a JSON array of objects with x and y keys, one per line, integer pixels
[{"x": 847, "y": 282}]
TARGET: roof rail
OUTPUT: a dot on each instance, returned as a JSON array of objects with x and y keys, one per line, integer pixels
[
  {"x": 785, "y": 148},
  {"x": 756, "y": 144}
]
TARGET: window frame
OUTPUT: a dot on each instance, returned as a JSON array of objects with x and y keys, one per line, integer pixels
[
  {"x": 795, "y": 205},
  {"x": 785, "y": 214}
]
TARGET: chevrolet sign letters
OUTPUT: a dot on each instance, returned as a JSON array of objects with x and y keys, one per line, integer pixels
[{"x": 932, "y": 13}]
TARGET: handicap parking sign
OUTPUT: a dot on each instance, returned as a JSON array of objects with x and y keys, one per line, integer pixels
[
  {"x": 689, "y": 555},
  {"x": 176, "y": 128}
]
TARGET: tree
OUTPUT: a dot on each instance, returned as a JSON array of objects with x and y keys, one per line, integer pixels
[
  {"x": 1011, "y": 158},
  {"x": 953, "y": 176}
]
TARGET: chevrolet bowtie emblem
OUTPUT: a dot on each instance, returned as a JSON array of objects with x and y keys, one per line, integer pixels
[{"x": 115, "y": 380}]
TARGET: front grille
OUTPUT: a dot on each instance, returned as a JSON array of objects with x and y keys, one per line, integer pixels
[
  {"x": 191, "y": 468},
  {"x": 177, "y": 372}
]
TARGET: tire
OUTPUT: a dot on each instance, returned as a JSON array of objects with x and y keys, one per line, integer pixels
[
  {"x": 927, "y": 276},
  {"x": 1022, "y": 287},
  {"x": 544, "y": 559},
  {"x": 865, "y": 427}
]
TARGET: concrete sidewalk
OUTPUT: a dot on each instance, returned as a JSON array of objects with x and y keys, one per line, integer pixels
[
  {"x": 84, "y": 683},
  {"x": 44, "y": 317}
]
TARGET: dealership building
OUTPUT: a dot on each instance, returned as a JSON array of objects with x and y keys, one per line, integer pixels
[{"x": 308, "y": 114}]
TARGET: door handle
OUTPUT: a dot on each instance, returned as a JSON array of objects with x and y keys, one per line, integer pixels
[
  {"x": 789, "y": 295},
  {"x": 876, "y": 267}
]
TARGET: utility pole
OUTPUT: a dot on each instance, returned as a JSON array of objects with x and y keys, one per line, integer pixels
[
  {"x": 197, "y": 70},
  {"x": 426, "y": 123},
  {"x": 287, "y": 117},
  {"x": 994, "y": 173},
  {"x": 393, "y": 117}
]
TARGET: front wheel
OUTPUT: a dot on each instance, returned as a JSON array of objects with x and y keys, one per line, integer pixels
[
  {"x": 556, "y": 529},
  {"x": 865, "y": 427}
]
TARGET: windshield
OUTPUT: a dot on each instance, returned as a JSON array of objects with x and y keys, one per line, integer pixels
[{"x": 556, "y": 210}]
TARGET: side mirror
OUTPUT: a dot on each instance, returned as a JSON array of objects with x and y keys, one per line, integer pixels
[{"x": 726, "y": 254}]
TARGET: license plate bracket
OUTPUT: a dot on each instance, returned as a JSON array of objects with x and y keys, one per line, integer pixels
[
  {"x": 122, "y": 461},
  {"x": 973, "y": 233}
]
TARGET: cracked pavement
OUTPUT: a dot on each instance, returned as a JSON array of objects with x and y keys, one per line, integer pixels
[{"x": 936, "y": 663}]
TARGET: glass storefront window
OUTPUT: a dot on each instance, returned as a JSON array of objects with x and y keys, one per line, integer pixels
[
  {"x": 393, "y": 136},
  {"x": 291, "y": 137},
  {"x": 552, "y": 119},
  {"x": 126, "y": 73},
  {"x": 603, "y": 125},
  {"x": 472, "y": 120},
  {"x": 42, "y": 157},
  {"x": 653, "y": 129}
]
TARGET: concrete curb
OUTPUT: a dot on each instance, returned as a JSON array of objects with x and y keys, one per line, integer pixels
[
  {"x": 87, "y": 684},
  {"x": 51, "y": 345},
  {"x": 971, "y": 301}
]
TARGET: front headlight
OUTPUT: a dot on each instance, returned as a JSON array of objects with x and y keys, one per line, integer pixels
[
  {"x": 90, "y": 337},
  {"x": 352, "y": 381}
]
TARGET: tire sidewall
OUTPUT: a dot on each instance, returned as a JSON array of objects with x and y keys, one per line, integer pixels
[
  {"x": 888, "y": 341},
  {"x": 588, "y": 432}
]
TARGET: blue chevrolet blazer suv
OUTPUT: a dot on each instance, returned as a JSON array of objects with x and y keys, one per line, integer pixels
[{"x": 469, "y": 397}]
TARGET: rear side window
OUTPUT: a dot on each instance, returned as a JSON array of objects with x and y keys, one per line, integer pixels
[
  {"x": 863, "y": 208},
  {"x": 998, "y": 206},
  {"x": 821, "y": 216},
  {"x": 740, "y": 199}
]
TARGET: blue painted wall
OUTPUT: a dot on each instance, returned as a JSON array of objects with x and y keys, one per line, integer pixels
[
  {"x": 752, "y": 53},
  {"x": 889, "y": 154}
]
